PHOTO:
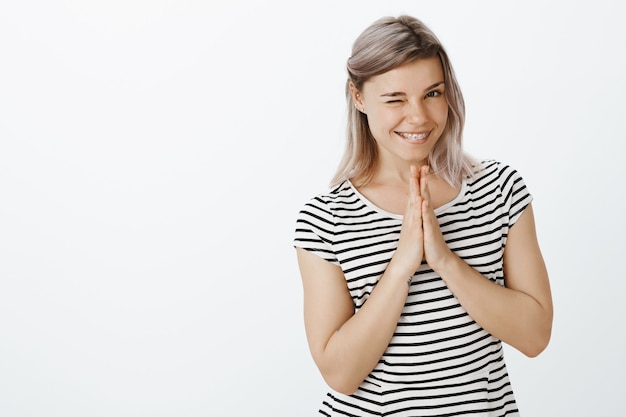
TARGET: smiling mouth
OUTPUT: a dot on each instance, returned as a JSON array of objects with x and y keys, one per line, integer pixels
[{"x": 413, "y": 137}]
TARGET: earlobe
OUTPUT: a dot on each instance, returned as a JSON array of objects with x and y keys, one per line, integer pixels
[{"x": 356, "y": 98}]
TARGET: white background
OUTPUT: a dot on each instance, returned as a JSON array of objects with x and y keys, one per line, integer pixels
[{"x": 154, "y": 155}]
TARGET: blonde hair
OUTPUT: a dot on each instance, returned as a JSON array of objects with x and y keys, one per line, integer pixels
[{"x": 386, "y": 44}]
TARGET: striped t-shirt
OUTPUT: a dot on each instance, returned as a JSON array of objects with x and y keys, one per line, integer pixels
[{"x": 439, "y": 361}]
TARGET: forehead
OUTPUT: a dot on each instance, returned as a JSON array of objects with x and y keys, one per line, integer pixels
[{"x": 414, "y": 76}]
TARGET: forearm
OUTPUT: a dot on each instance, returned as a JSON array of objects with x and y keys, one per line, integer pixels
[
  {"x": 355, "y": 349},
  {"x": 512, "y": 316}
]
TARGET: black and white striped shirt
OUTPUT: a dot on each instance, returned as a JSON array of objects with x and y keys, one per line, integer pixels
[{"x": 439, "y": 361}]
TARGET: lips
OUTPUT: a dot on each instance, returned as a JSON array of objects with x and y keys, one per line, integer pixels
[{"x": 414, "y": 137}]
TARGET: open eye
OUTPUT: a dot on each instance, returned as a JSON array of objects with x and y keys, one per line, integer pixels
[{"x": 434, "y": 93}]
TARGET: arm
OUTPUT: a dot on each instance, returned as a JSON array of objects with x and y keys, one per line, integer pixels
[
  {"x": 520, "y": 313},
  {"x": 347, "y": 346}
]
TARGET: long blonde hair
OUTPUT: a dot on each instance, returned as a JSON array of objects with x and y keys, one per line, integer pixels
[{"x": 386, "y": 44}]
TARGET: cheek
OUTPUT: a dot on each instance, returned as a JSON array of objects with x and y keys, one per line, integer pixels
[
  {"x": 382, "y": 121},
  {"x": 440, "y": 113}
]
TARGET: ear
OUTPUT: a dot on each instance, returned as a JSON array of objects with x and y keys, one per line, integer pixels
[{"x": 356, "y": 98}]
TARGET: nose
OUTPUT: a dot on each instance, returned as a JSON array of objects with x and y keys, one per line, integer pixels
[{"x": 416, "y": 112}]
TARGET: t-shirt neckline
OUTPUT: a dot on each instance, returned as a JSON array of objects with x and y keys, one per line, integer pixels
[{"x": 438, "y": 210}]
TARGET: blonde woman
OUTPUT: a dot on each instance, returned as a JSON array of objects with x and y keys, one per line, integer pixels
[{"x": 420, "y": 261}]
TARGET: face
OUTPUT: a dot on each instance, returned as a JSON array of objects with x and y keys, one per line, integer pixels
[{"x": 406, "y": 110}]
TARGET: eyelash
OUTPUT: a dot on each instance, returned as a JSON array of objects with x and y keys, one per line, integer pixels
[
  {"x": 437, "y": 92},
  {"x": 434, "y": 93}
]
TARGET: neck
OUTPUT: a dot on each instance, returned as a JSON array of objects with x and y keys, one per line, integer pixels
[{"x": 396, "y": 172}]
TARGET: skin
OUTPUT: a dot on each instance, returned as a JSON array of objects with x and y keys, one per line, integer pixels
[{"x": 347, "y": 346}]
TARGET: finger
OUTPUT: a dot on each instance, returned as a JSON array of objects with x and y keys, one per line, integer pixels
[
  {"x": 429, "y": 220},
  {"x": 424, "y": 189},
  {"x": 414, "y": 204},
  {"x": 426, "y": 212},
  {"x": 427, "y": 226},
  {"x": 414, "y": 181}
]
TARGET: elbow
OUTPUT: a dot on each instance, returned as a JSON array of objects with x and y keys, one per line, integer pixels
[
  {"x": 539, "y": 337},
  {"x": 342, "y": 384},
  {"x": 533, "y": 351},
  {"x": 537, "y": 344},
  {"x": 342, "y": 371},
  {"x": 345, "y": 389}
]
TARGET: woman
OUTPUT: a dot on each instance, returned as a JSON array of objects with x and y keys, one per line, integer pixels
[{"x": 420, "y": 260}]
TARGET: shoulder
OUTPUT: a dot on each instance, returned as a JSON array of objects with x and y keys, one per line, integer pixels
[
  {"x": 491, "y": 171},
  {"x": 317, "y": 219},
  {"x": 500, "y": 183},
  {"x": 331, "y": 200}
]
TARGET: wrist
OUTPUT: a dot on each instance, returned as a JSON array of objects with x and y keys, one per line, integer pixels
[
  {"x": 399, "y": 273},
  {"x": 446, "y": 264}
]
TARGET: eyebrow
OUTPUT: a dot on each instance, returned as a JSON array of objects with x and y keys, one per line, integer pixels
[{"x": 399, "y": 93}]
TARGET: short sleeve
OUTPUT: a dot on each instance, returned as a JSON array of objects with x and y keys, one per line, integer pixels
[
  {"x": 515, "y": 193},
  {"x": 315, "y": 229}
]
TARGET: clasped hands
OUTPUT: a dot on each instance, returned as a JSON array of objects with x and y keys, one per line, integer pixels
[{"x": 420, "y": 236}]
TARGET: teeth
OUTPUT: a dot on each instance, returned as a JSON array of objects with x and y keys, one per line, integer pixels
[{"x": 414, "y": 136}]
